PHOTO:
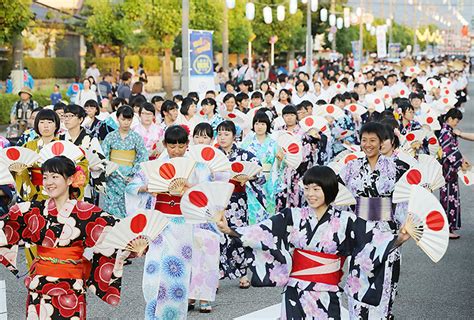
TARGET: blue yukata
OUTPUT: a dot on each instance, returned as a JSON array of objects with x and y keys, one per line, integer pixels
[
  {"x": 116, "y": 183},
  {"x": 342, "y": 124}
]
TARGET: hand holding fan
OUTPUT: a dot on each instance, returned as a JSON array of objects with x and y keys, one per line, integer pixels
[
  {"x": 206, "y": 201},
  {"x": 426, "y": 223},
  {"x": 292, "y": 149},
  {"x": 214, "y": 158},
  {"x": 431, "y": 121},
  {"x": 168, "y": 176},
  {"x": 61, "y": 148},
  {"x": 242, "y": 171},
  {"x": 134, "y": 233},
  {"x": 18, "y": 158}
]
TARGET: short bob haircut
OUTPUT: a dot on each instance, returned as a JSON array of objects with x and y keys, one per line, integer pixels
[
  {"x": 47, "y": 114},
  {"x": 94, "y": 104},
  {"x": 157, "y": 99},
  {"x": 257, "y": 95},
  {"x": 289, "y": 109},
  {"x": 241, "y": 97},
  {"x": 125, "y": 111},
  {"x": 227, "y": 125},
  {"x": 229, "y": 96},
  {"x": 176, "y": 135},
  {"x": 261, "y": 117},
  {"x": 306, "y": 86},
  {"x": 185, "y": 105},
  {"x": 405, "y": 106},
  {"x": 325, "y": 178},
  {"x": 209, "y": 102},
  {"x": 117, "y": 102},
  {"x": 389, "y": 134},
  {"x": 270, "y": 92},
  {"x": 167, "y": 106},
  {"x": 147, "y": 106},
  {"x": 76, "y": 110},
  {"x": 203, "y": 129},
  {"x": 373, "y": 127},
  {"x": 63, "y": 166}
]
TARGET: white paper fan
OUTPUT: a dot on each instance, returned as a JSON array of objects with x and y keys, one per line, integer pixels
[
  {"x": 413, "y": 136},
  {"x": 18, "y": 158},
  {"x": 329, "y": 110},
  {"x": 350, "y": 156},
  {"x": 376, "y": 103},
  {"x": 467, "y": 177},
  {"x": 335, "y": 166},
  {"x": 433, "y": 145},
  {"x": 111, "y": 167},
  {"x": 93, "y": 158},
  {"x": 342, "y": 134},
  {"x": 61, "y": 148},
  {"x": 317, "y": 123},
  {"x": 206, "y": 201},
  {"x": 431, "y": 83},
  {"x": 244, "y": 170},
  {"x": 355, "y": 109},
  {"x": 427, "y": 224},
  {"x": 352, "y": 147},
  {"x": 344, "y": 197},
  {"x": 412, "y": 71},
  {"x": 236, "y": 116},
  {"x": 449, "y": 101},
  {"x": 407, "y": 158},
  {"x": 6, "y": 177},
  {"x": 168, "y": 176},
  {"x": 430, "y": 120},
  {"x": 292, "y": 148},
  {"x": 134, "y": 233},
  {"x": 214, "y": 158}
]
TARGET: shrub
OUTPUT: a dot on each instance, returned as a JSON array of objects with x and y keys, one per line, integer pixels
[
  {"x": 152, "y": 64},
  {"x": 43, "y": 68}
]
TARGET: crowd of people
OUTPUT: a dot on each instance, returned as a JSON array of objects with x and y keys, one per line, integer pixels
[{"x": 353, "y": 130}]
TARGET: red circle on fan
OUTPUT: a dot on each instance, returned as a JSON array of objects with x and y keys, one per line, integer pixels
[
  {"x": 13, "y": 154},
  {"x": 466, "y": 180},
  {"x": 138, "y": 223},
  {"x": 330, "y": 109},
  {"x": 232, "y": 115},
  {"x": 402, "y": 92},
  {"x": 386, "y": 96},
  {"x": 57, "y": 148},
  {"x": 429, "y": 120},
  {"x": 432, "y": 140},
  {"x": 237, "y": 167},
  {"x": 412, "y": 69},
  {"x": 75, "y": 87},
  {"x": 338, "y": 86},
  {"x": 350, "y": 157},
  {"x": 323, "y": 129},
  {"x": 435, "y": 221},
  {"x": 201, "y": 112},
  {"x": 447, "y": 92},
  {"x": 198, "y": 198},
  {"x": 449, "y": 82},
  {"x": 293, "y": 148},
  {"x": 431, "y": 82},
  {"x": 410, "y": 137},
  {"x": 414, "y": 176},
  {"x": 343, "y": 133},
  {"x": 445, "y": 100},
  {"x": 208, "y": 153},
  {"x": 167, "y": 171},
  {"x": 353, "y": 108},
  {"x": 309, "y": 122},
  {"x": 377, "y": 101}
]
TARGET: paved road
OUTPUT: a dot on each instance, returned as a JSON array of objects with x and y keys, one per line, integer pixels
[{"x": 426, "y": 290}]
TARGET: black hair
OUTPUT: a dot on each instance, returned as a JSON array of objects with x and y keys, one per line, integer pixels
[
  {"x": 262, "y": 83},
  {"x": 177, "y": 98},
  {"x": 227, "y": 125},
  {"x": 137, "y": 101},
  {"x": 230, "y": 83},
  {"x": 389, "y": 134},
  {"x": 125, "y": 111},
  {"x": 301, "y": 106},
  {"x": 289, "y": 109},
  {"x": 176, "y": 135},
  {"x": 116, "y": 102},
  {"x": 347, "y": 96},
  {"x": 249, "y": 84},
  {"x": 337, "y": 97},
  {"x": 148, "y": 107},
  {"x": 321, "y": 102},
  {"x": 167, "y": 106},
  {"x": 210, "y": 92},
  {"x": 59, "y": 106},
  {"x": 228, "y": 97},
  {"x": 306, "y": 86},
  {"x": 256, "y": 95},
  {"x": 355, "y": 96},
  {"x": 156, "y": 99},
  {"x": 306, "y": 104},
  {"x": 345, "y": 81},
  {"x": 416, "y": 95},
  {"x": 185, "y": 104},
  {"x": 381, "y": 78},
  {"x": 92, "y": 103},
  {"x": 194, "y": 95},
  {"x": 210, "y": 101},
  {"x": 240, "y": 97},
  {"x": 63, "y": 166},
  {"x": 373, "y": 127},
  {"x": 452, "y": 113},
  {"x": 270, "y": 92},
  {"x": 288, "y": 92},
  {"x": 325, "y": 178},
  {"x": 282, "y": 78},
  {"x": 405, "y": 106},
  {"x": 261, "y": 116},
  {"x": 76, "y": 110},
  {"x": 203, "y": 128},
  {"x": 47, "y": 114}
]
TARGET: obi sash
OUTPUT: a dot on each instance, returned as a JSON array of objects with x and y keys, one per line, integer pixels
[
  {"x": 313, "y": 266},
  {"x": 374, "y": 209},
  {"x": 238, "y": 188},
  {"x": 123, "y": 157},
  {"x": 168, "y": 204},
  {"x": 267, "y": 167},
  {"x": 66, "y": 262},
  {"x": 36, "y": 177}
]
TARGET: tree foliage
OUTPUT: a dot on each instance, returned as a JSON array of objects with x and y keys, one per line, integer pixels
[
  {"x": 240, "y": 28},
  {"x": 14, "y": 18},
  {"x": 163, "y": 21}
]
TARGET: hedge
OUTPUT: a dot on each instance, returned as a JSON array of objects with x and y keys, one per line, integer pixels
[
  {"x": 151, "y": 64},
  {"x": 44, "y": 68},
  {"x": 7, "y": 101}
]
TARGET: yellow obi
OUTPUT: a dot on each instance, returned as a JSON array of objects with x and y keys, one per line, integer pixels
[{"x": 123, "y": 157}]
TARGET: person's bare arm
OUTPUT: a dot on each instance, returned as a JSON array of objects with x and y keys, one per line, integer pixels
[{"x": 464, "y": 135}]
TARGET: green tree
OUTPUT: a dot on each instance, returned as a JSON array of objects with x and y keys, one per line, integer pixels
[
  {"x": 207, "y": 15},
  {"x": 240, "y": 28},
  {"x": 14, "y": 18}
]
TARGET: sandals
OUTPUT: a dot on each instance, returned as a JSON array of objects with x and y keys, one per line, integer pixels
[
  {"x": 244, "y": 283},
  {"x": 205, "y": 307},
  {"x": 191, "y": 305},
  {"x": 454, "y": 236}
]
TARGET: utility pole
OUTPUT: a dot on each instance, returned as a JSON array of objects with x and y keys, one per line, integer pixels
[
  {"x": 333, "y": 11},
  {"x": 309, "y": 40},
  {"x": 225, "y": 39},
  {"x": 361, "y": 34},
  {"x": 185, "y": 46}
]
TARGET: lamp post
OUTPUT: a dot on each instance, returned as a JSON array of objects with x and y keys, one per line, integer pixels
[
  {"x": 309, "y": 39},
  {"x": 185, "y": 46},
  {"x": 225, "y": 40},
  {"x": 361, "y": 34}
]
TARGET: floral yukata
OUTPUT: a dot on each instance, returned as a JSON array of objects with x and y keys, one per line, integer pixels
[
  {"x": 150, "y": 135},
  {"x": 57, "y": 290},
  {"x": 341, "y": 125},
  {"x": 116, "y": 182},
  {"x": 232, "y": 260},
  {"x": 451, "y": 162},
  {"x": 276, "y": 242},
  {"x": 363, "y": 182}
]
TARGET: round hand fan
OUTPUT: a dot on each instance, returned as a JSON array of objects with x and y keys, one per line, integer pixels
[
  {"x": 445, "y": 92},
  {"x": 449, "y": 101},
  {"x": 18, "y": 158},
  {"x": 402, "y": 90},
  {"x": 292, "y": 148},
  {"x": 431, "y": 83},
  {"x": 206, "y": 201},
  {"x": 467, "y": 177},
  {"x": 351, "y": 156},
  {"x": 433, "y": 145},
  {"x": 6, "y": 177},
  {"x": 412, "y": 71},
  {"x": 338, "y": 88},
  {"x": 355, "y": 109},
  {"x": 168, "y": 176},
  {"x": 134, "y": 233},
  {"x": 330, "y": 110},
  {"x": 236, "y": 116},
  {"x": 242, "y": 171},
  {"x": 315, "y": 123},
  {"x": 376, "y": 103},
  {"x": 431, "y": 121},
  {"x": 61, "y": 148},
  {"x": 352, "y": 147},
  {"x": 212, "y": 157},
  {"x": 344, "y": 197},
  {"x": 426, "y": 223}
]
